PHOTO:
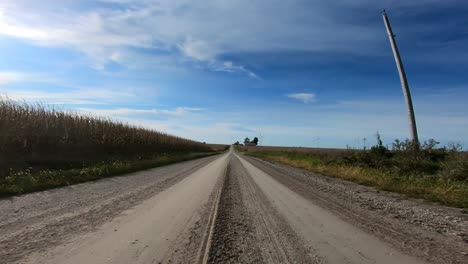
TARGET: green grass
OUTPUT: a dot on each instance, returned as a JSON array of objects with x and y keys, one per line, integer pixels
[
  {"x": 440, "y": 181},
  {"x": 26, "y": 181}
]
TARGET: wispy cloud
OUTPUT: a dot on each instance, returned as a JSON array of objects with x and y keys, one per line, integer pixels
[
  {"x": 199, "y": 49},
  {"x": 303, "y": 97},
  {"x": 202, "y": 31},
  {"x": 84, "y": 96},
  {"x": 116, "y": 112},
  {"x": 235, "y": 127},
  {"x": 12, "y": 83},
  {"x": 229, "y": 66},
  {"x": 9, "y": 77},
  {"x": 193, "y": 30}
]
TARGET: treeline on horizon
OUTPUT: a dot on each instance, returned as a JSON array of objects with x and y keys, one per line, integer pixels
[{"x": 37, "y": 137}]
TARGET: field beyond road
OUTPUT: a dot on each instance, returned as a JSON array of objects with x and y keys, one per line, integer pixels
[
  {"x": 438, "y": 175},
  {"x": 41, "y": 148}
]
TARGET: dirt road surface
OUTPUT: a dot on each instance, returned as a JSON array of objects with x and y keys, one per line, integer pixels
[{"x": 227, "y": 209}]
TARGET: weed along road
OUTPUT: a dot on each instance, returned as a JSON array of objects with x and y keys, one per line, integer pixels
[{"x": 227, "y": 209}]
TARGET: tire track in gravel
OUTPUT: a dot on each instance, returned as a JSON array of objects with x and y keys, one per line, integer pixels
[
  {"x": 334, "y": 239},
  {"x": 42, "y": 220},
  {"x": 165, "y": 228},
  {"x": 388, "y": 216},
  {"x": 248, "y": 230}
]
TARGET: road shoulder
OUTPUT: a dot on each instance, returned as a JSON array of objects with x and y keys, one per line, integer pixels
[{"x": 432, "y": 232}]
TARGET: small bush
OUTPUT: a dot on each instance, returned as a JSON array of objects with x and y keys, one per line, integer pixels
[{"x": 455, "y": 167}]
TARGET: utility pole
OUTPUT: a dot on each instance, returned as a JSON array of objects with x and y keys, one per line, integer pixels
[{"x": 404, "y": 81}]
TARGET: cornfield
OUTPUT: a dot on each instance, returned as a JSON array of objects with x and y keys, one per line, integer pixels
[{"x": 38, "y": 137}]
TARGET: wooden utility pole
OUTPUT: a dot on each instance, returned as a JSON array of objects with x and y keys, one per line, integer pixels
[{"x": 404, "y": 81}]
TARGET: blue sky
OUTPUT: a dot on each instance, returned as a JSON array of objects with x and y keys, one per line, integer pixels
[{"x": 299, "y": 72}]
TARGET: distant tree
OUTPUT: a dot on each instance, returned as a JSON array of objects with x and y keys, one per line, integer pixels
[
  {"x": 430, "y": 144},
  {"x": 397, "y": 145},
  {"x": 455, "y": 146},
  {"x": 236, "y": 143},
  {"x": 379, "y": 149},
  {"x": 255, "y": 140},
  {"x": 246, "y": 140}
]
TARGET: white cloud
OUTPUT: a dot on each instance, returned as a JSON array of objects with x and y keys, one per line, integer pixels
[
  {"x": 119, "y": 112},
  {"x": 229, "y": 66},
  {"x": 303, "y": 97},
  {"x": 198, "y": 49},
  {"x": 68, "y": 93},
  {"x": 9, "y": 77},
  {"x": 201, "y": 31},
  {"x": 73, "y": 96}
]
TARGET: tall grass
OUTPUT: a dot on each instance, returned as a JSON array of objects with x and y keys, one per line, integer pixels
[
  {"x": 36, "y": 137},
  {"x": 436, "y": 174}
]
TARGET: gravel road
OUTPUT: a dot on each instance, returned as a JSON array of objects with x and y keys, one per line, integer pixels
[{"x": 227, "y": 209}]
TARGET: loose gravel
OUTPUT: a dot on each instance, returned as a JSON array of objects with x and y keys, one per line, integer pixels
[
  {"x": 430, "y": 231},
  {"x": 37, "y": 221},
  {"x": 248, "y": 229}
]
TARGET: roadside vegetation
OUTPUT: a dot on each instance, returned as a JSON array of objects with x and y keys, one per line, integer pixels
[
  {"x": 41, "y": 147},
  {"x": 428, "y": 172}
]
